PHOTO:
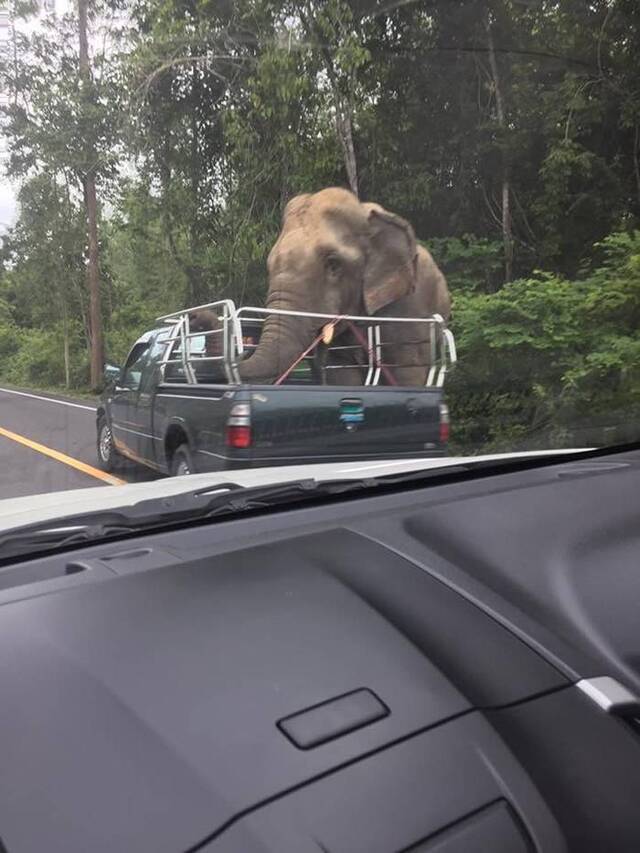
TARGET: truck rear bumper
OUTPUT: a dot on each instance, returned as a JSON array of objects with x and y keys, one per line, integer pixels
[{"x": 236, "y": 460}]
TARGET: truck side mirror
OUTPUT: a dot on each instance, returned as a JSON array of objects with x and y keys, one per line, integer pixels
[{"x": 111, "y": 373}]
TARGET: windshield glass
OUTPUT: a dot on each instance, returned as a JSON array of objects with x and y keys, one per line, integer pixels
[{"x": 273, "y": 233}]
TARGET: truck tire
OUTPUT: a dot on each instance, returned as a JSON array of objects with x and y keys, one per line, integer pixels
[
  {"x": 182, "y": 461},
  {"x": 108, "y": 457}
]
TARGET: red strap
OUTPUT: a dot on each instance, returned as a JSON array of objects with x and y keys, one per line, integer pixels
[
  {"x": 363, "y": 343},
  {"x": 306, "y": 352},
  {"x": 361, "y": 340}
]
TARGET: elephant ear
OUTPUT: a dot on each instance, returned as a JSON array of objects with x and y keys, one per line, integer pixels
[{"x": 390, "y": 272}]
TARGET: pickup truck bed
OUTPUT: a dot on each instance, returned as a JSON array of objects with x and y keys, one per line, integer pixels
[
  {"x": 177, "y": 426},
  {"x": 300, "y": 424}
]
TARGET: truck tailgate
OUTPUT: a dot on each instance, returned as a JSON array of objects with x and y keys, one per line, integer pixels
[{"x": 325, "y": 422}]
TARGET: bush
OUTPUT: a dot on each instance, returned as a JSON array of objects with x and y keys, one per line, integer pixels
[
  {"x": 550, "y": 362},
  {"x": 35, "y": 357}
]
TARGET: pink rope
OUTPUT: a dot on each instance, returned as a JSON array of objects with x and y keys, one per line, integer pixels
[
  {"x": 306, "y": 352},
  {"x": 364, "y": 344},
  {"x": 361, "y": 340}
]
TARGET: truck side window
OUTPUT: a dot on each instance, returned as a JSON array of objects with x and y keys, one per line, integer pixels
[
  {"x": 132, "y": 373},
  {"x": 156, "y": 354}
]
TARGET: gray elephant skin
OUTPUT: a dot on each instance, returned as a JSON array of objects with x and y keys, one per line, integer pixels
[{"x": 337, "y": 255}]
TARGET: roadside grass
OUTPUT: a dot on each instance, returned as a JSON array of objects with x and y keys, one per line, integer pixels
[{"x": 82, "y": 395}]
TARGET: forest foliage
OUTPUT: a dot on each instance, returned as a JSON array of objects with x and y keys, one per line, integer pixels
[{"x": 506, "y": 131}]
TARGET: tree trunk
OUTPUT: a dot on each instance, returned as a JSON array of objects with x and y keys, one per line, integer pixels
[
  {"x": 194, "y": 270},
  {"x": 91, "y": 213},
  {"x": 507, "y": 230},
  {"x": 344, "y": 111},
  {"x": 344, "y": 128},
  {"x": 636, "y": 163},
  {"x": 93, "y": 278},
  {"x": 65, "y": 334},
  {"x": 507, "y": 237},
  {"x": 15, "y": 61}
]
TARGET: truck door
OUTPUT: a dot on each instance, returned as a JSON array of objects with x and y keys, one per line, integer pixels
[
  {"x": 142, "y": 411},
  {"x": 122, "y": 403}
]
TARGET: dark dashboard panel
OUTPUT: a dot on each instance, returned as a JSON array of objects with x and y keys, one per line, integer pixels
[
  {"x": 564, "y": 551},
  {"x": 387, "y": 674},
  {"x": 490, "y": 665},
  {"x": 190, "y": 668},
  {"x": 586, "y": 763},
  {"x": 451, "y": 776}
]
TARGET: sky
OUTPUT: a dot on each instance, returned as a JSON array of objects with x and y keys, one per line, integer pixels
[
  {"x": 8, "y": 189},
  {"x": 7, "y": 205}
]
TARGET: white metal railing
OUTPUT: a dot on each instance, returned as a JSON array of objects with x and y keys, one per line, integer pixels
[
  {"x": 441, "y": 340},
  {"x": 230, "y": 331}
]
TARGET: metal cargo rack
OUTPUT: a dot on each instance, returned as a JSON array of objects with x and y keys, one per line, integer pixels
[{"x": 235, "y": 345}]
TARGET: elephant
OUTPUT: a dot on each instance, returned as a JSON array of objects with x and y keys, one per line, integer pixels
[
  {"x": 336, "y": 255},
  {"x": 205, "y": 320}
]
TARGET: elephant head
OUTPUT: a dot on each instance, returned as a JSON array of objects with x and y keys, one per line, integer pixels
[{"x": 334, "y": 255}]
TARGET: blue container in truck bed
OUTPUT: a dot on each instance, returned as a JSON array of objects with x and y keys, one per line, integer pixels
[{"x": 177, "y": 409}]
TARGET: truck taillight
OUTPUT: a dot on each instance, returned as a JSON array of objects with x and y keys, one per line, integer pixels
[
  {"x": 239, "y": 426},
  {"x": 444, "y": 423},
  {"x": 238, "y": 436}
]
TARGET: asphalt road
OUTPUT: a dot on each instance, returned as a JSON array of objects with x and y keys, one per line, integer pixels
[{"x": 48, "y": 444}]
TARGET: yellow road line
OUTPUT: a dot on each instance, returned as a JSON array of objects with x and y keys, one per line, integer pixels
[{"x": 62, "y": 457}]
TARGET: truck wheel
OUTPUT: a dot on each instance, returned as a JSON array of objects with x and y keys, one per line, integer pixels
[
  {"x": 182, "y": 462},
  {"x": 108, "y": 456}
]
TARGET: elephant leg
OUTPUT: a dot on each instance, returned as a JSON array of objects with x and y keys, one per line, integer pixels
[
  {"x": 407, "y": 353},
  {"x": 410, "y": 377},
  {"x": 346, "y": 367},
  {"x": 347, "y": 375}
]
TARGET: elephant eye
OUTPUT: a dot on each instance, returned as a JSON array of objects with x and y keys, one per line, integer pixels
[{"x": 333, "y": 264}]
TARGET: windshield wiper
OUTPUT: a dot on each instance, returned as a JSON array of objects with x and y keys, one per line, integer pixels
[
  {"x": 228, "y": 499},
  {"x": 220, "y": 500}
]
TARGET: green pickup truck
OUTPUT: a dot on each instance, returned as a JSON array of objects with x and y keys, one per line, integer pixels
[{"x": 178, "y": 411}]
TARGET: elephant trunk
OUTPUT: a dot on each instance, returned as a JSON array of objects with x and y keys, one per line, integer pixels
[{"x": 282, "y": 341}]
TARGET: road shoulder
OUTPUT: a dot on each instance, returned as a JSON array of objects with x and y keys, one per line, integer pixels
[{"x": 87, "y": 402}]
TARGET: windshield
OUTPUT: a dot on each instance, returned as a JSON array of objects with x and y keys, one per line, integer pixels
[{"x": 278, "y": 233}]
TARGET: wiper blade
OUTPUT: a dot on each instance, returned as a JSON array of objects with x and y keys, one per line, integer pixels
[
  {"x": 226, "y": 499},
  {"x": 223, "y": 499},
  {"x": 97, "y": 525},
  {"x": 28, "y": 539},
  {"x": 265, "y": 497}
]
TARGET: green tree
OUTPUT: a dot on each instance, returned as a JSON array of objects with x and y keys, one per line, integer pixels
[
  {"x": 43, "y": 287},
  {"x": 61, "y": 122}
]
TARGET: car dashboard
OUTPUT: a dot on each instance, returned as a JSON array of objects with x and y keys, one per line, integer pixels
[{"x": 419, "y": 670}]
